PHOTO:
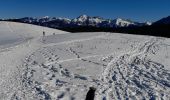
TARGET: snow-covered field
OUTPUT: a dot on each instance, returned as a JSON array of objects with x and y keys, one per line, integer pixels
[{"x": 63, "y": 66}]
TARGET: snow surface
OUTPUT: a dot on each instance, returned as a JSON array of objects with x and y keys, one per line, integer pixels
[{"x": 63, "y": 66}]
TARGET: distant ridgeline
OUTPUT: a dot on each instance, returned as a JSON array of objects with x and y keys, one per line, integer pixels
[{"x": 86, "y": 23}]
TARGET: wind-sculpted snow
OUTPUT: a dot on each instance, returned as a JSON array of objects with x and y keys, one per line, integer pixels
[{"x": 66, "y": 69}]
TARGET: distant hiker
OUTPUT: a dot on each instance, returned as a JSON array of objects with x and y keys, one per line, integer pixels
[
  {"x": 91, "y": 93},
  {"x": 43, "y": 39},
  {"x": 43, "y": 33}
]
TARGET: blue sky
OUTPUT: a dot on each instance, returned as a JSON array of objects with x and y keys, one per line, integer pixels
[{"x": 138, "y": 10}]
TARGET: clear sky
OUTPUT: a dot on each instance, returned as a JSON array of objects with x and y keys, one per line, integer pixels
[{"x": 138, "y": 10}]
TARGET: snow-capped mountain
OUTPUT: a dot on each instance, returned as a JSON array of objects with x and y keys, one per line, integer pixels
[
  {"x": 123, "y": 23},
  {"x": 85, "y": 20},
  {"x": 82, "y": 20},
  {"x": 127, "y": 23},
  {"x": 148, "y": 23}
]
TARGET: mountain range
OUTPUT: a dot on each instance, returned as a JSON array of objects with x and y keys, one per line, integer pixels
[
  {"x": 86, "y": 23},
  {"x": 82, "y": 20}
]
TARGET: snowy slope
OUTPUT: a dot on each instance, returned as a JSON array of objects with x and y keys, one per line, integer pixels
[
  {"x": 119, "y": 66},
  {"x": 17, "y": 41},
  {"x": 63, "y": 67},
  {"x": 11, "y": 32}
]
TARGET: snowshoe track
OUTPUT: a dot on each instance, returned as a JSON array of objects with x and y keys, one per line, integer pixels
[
  {"x": 130, "y": 76},
  {"x": 54, "y": 76},
  {"x": 133, "y": 76}
]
